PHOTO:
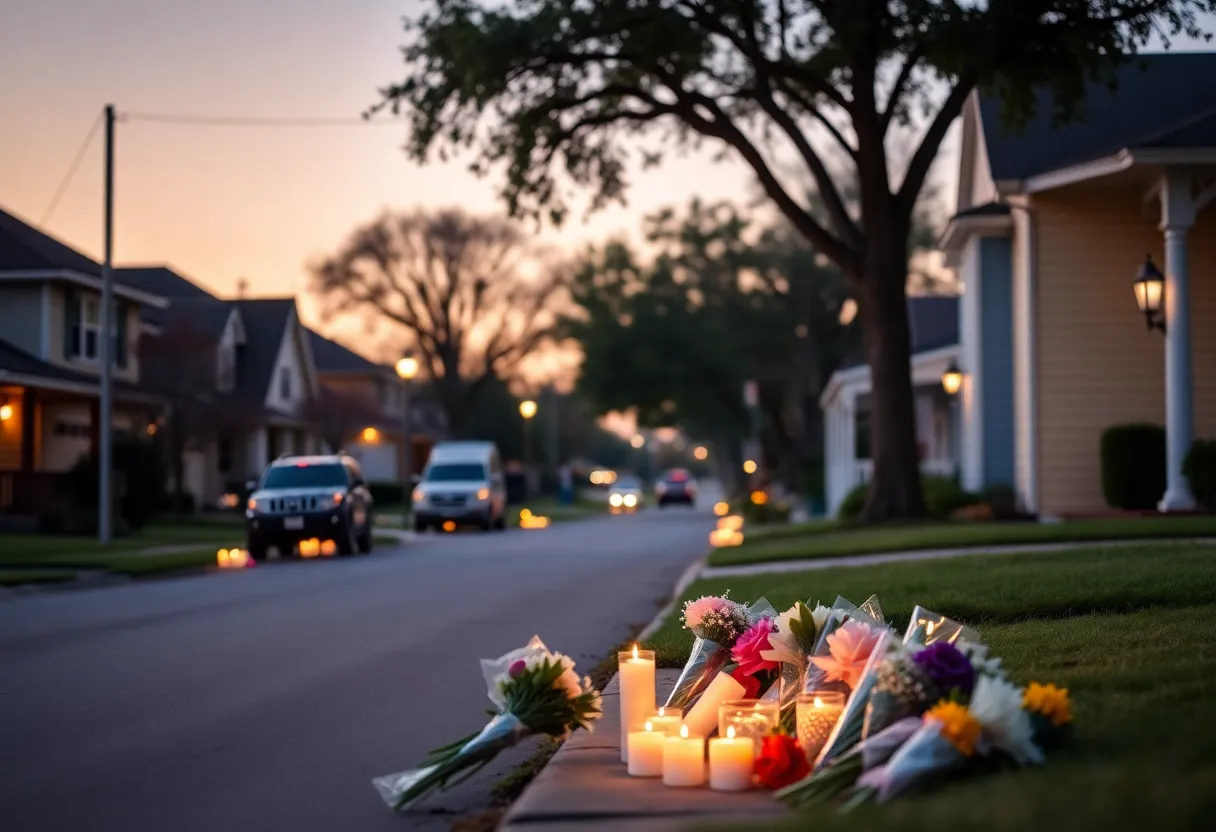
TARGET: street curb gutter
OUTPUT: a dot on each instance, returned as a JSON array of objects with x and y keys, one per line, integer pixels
[{"x": 686, "y": 578}]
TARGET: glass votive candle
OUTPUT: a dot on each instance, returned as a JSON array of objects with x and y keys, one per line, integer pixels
[
  {"x": 749, "y": 718},
  {"x": 816, "y": 716}
]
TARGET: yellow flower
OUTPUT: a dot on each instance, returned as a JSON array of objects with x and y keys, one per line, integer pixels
[
  {"x": 958, "y": 725},
  {"x": 1050, "y": 701}
]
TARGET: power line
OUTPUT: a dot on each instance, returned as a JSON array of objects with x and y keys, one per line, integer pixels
[
  {"x": 67, "y": 179},
  {"x": 256, "y": 121}
]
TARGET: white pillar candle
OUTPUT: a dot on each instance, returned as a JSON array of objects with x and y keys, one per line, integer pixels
[
  {"x": 730, "y": 762},
  {"x": 637, "y": 692},
  {"x": 684, "y": 760},
  {"x": 702, "y": 720},
  {"x": 668, "y": 721},
  {"x": 646, "y": 751}
]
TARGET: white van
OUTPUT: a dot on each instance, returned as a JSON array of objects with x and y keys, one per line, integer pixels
[{"x": 463, "y": 482}]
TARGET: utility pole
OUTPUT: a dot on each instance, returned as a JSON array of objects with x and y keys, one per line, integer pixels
[{"x": 108, "y": 352}]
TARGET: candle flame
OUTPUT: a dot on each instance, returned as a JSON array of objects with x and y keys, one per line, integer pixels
[
  {"x": 649, "y": 727},
  {"x": 684, "y": 732},
  {"x": 635, "y": 651},
  {"x": 730, "y": 733},
  {"x": 818, "y": 702}
]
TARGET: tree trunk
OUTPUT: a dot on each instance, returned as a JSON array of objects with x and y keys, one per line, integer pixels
[{"x": 895, "y": 489}]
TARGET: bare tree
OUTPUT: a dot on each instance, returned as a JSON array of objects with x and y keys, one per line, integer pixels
[
  {"x": 457, "y": 284},
  {"x": 340, "y": 415}
]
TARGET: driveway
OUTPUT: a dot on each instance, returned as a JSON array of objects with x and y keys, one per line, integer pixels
[{"x": 267, "y": 699}]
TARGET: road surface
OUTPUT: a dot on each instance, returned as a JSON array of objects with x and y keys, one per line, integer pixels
[{"x": 267, "y": 699}]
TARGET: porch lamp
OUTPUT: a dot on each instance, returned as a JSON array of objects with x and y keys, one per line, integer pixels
[
  {"x": 952, "y": 379},
  {"x": 407, "y": 368},
  {"x": 1149, "y": 287},
  {"x": 527, "y": 409}
]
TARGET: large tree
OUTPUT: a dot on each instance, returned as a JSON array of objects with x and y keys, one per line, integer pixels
[
  {"x": 457, "y": 284},
  {"x": 555, "y": 90}
]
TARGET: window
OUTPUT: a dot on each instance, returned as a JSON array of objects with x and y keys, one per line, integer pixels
[
  {"x": 224, "y": 452},
  {"x": 83, "y": 314},
  {"x": 285, "y": 383},
  {"x": 861, "y": 426},
  {"x": 303, "y": 475},
  {"x": 456, "y": 472},
  {"x": 225, "y": 368}
]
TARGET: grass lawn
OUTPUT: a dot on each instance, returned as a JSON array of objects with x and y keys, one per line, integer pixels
[
  {"x": 1128, "y": 630},
  {"x": 17, "y": 577},
  {"x": 822, "y": 541},
  {"x": 81, "y": 550}
]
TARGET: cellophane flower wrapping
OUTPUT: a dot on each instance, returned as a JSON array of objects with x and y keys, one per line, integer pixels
[
  {"x": 925, "y": 755},
  {"x": 842, "y": 610},
  {"x": 848, "y": 730},
  {"x": 535, "y": 691},
  {"x": 842, "y": 774},
  {"x": 716, "y": 622},
  {"x": 902, "y": 689},
  {"x": 928, "y": 627},
  {"x": 791, "y": 645}
]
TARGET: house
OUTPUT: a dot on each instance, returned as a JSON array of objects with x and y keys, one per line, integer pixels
[
  {"x": 1053, "y": 225},
  {"x": 362, "y": 412},
  {"x": 258, "y": 385},
  {"x": 50, "y": 363},
  {"x": 847, "y": 399}
]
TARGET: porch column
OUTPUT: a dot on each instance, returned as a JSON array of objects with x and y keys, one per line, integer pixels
[{"x": 1177, "y": 216}]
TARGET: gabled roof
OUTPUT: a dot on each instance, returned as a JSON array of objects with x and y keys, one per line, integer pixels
[
  {"x": 332, "y": 357},
  {"x": 265, "y": 320},
  {"x": 163, "y": 281},
  {"x": 16, "y": 363},
  {"x": 206, "y": 315},
  {"x": 24, "y": 248},
  {"x": 1159, "y": 101},
  {"x": 933, "y": 321}
]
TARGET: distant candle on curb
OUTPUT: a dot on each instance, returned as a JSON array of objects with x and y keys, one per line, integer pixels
[
  {"x": 730, "y": 762},
  {"x": 646, "y": 751},
  {"x": 702, "y": 720},
  {"x": 684, "y": 760},
  {"x": 637, "y": 692},
  {"x": 668, "y": 721}
]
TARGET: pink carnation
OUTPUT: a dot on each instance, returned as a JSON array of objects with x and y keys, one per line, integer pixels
[
  {"x": 850, "y": 648},
  {"x": 695, "y": 611},
  {"x": 747, "y": 650}
]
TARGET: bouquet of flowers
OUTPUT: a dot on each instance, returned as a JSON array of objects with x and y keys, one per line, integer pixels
[
  {"x": 928, "y": 627},
  {"x": 752, "y": 670},
  {"x": 908, "y": 680},
  {"x": 534, "y": 691},
  {"x": 790, "y": 646},
  {"x": 1001, "y": 720},
  {"x": 717, "y": 622},
  {"x": 855, "y": 659},
  {"x": 820, "y": 675}
]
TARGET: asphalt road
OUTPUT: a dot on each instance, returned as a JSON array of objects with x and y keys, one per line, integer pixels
[{"x": 267, "y": 699}]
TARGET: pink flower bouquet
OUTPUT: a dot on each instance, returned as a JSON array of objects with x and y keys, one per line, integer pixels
[{"x": 717, "y": 623}]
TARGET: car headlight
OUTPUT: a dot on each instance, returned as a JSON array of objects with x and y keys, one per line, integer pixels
[
  {"x": 483, "y": 494},
  {"x": 615, "y": 500},
  {"x": 631, "y": 500},
  {"x": 419, "y": 495},
  {"x": 252, "y": 504}
]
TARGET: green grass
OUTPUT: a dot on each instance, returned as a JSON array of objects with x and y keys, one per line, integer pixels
[
  {"x": 83, "y": 551},
  {"x": 827, "y": 541},
  {"x": 1129, "y": 631},
  {"x": 18, "y": 577}
]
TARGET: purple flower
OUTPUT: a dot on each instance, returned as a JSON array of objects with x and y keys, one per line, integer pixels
[
  {"x": 517, "y": 668},
  {"x": 946, "y": 665}
]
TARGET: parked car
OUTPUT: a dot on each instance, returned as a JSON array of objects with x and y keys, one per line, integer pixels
[
  {"x": 305, "y": 497},
  {"x": 677, "y": 486},
  {"x": 463, "y": 482},
  {"x": 625, "y": 495}
]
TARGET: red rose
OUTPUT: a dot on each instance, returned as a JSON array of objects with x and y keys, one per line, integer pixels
[{"x": 781, "y": 762}]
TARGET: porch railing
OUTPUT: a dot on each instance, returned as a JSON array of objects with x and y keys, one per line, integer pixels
[{"x": 27, "y": 493}]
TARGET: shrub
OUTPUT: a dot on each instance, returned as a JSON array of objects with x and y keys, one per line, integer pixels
[
  {"x": 854, "y": 502},
  {"x": 77, "y": 520},
  {"x": 1002, "y": 502},
  {"x": 387, "y": 493},
  {"x": 1133, "y": 466},
  {"x": 138, "y": 483},
  {"x": 943, "y": 497},
  {"x": 1200, "y": 470},
  {"x": 772, "y": 511}
]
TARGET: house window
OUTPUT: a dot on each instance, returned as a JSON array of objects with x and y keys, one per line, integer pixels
[
  {"x": 85, "y": 339},
  {"x": 224, "y": 452},
  {"x": 225, "y": 368},
  {"x": 861, "y": 435},
  {"x": 285, "y": 383}
]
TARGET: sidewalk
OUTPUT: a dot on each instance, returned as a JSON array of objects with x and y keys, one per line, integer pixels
[{"x": 586, "y": 786}]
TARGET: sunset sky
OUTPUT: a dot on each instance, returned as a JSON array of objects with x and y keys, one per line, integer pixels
[{"x": 221, "y": 203}]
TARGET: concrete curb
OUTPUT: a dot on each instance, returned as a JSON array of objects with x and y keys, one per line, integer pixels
[{"x": 777, "y": 567}]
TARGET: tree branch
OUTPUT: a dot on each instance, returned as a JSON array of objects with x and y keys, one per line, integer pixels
[
  {"x": 922, "y": 160},
  {"x": 897, "y": 90}
]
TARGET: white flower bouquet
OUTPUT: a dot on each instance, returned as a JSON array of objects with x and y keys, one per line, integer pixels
[{"x": 534, "y": 691}]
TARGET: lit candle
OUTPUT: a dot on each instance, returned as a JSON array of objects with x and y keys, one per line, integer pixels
[
  {"x": 667, "y": 721},
  {"x": 637, "y": 692},
  {"x": 730, "y": 762},
  {"x": 646, "y": 751},
  {"x": 817, "y": 713},
  {"x": 684, "y": 760},
  {"x": 702, "y": 720},
  {"x": 753, "y": 718}
]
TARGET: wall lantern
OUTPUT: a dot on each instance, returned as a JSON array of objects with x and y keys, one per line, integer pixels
[
  {"x": 952, "y": 379},
  {"x": 1150, "y": 294}
]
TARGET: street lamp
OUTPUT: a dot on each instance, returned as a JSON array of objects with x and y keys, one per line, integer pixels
[
  {"x": 527, "y": 409},
  {"x": 749, "y": 466},
  {"x": 1149, "y": 287},
  {"x": 701, "y": 452},
  {"x": 407, "y": 368},
  {"x": 952, "y": 379}
]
